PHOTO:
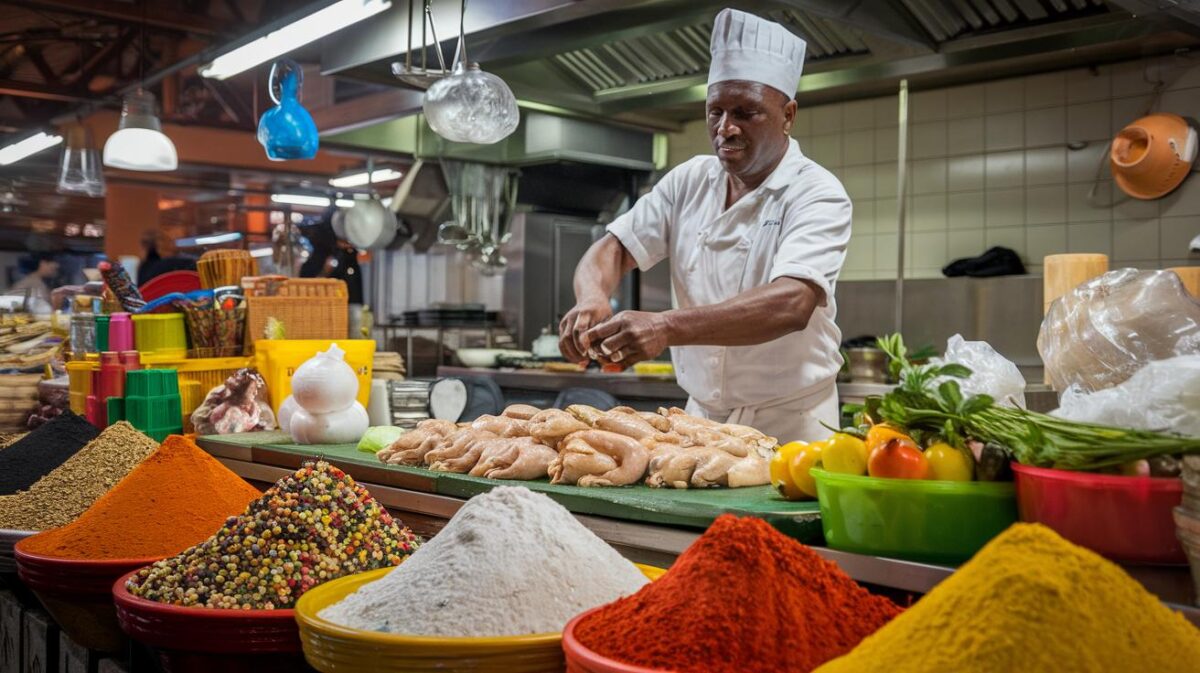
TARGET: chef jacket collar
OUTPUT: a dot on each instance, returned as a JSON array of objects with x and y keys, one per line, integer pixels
[{"x": 783, "y": 175}]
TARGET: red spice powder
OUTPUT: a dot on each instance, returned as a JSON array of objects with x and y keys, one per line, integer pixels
[{"x": 744, "y": 598}]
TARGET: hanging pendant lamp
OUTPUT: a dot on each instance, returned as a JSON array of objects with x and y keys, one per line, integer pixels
[
  {"x": 470, "y": 106},
  {"x": 139, "y": 143},
  {"x": 80, "y": 171}
]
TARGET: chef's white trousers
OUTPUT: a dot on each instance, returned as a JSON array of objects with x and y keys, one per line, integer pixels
[{"x": 789, "y": 419}]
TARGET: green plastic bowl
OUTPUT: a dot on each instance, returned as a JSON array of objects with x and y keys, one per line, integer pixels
[{"x": 917, "y": 520}]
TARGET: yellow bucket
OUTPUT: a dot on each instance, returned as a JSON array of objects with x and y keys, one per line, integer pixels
[
  {"x": 278, "y": 359},
  {"x": 331, "y": 648}
]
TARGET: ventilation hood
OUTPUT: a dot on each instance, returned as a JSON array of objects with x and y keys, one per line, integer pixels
[{"x": 643, "y": 62}]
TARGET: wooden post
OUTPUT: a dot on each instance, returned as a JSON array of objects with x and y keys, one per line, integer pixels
[
  {"x": 41, "y": 642},
  {"x": 75, "y": 658},
  {"x": 10, "y": 634}
]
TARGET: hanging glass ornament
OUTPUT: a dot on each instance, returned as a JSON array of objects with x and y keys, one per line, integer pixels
[{"x": 287, "y": 131}]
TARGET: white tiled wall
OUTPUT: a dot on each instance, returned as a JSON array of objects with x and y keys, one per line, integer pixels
[{"x": 990, "y": 165}]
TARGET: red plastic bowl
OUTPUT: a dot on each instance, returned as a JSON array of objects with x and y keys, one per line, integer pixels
[
  {"x": 582, "y": 660},
  {"x": 200, "y": 640},
  {"x": 78, "y": 594},
  {"x": 172, "y": 281},
  {"x": 1125, "y": 519}
]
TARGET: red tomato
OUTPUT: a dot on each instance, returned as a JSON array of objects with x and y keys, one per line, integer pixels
[{"x": 899, "y": 458}]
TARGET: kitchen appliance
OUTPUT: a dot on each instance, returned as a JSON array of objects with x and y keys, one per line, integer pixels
[{"x": 1153, "y": 155}]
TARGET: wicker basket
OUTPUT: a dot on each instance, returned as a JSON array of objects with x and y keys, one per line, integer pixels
[
  {"x": 218, "y": 268},
  {"x": 309, "y": 308}
]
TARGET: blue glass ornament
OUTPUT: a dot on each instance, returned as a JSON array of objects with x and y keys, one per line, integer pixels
[{"x": 287, "y": 130}]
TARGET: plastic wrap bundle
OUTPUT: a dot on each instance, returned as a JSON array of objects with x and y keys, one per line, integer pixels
[
  {"x": 1163, "y": 396},
  {"x": 991, "y": 373},
  {"x": 1105, "y": 330}
]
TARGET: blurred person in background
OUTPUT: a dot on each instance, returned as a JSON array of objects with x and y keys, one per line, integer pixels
[
  {"x": 154, "y": 264},
  {"x": 41, "y": 278}
]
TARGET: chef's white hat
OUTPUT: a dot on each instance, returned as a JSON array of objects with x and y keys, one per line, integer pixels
[{"x": 746, "y": 47}]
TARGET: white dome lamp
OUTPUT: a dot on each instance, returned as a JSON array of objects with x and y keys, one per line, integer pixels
[
  {"x": 139, "y": 143},
  {"x": 470, "y": 105}
]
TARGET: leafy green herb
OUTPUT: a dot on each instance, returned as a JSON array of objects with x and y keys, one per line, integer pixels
[{"x": 930, "y": 400}]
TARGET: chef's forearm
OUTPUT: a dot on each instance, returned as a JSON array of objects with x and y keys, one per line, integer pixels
[
  {"x": 756, "y": 316},
  {"x": 601, "y": 269}
]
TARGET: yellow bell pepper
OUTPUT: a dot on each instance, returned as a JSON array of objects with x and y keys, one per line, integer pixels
[
  {"x": 805, "y": 458},
  {"x": 845, "y": 454},
  {"x": 947, "y": 463},
  {"x": 781, "y": 478}
]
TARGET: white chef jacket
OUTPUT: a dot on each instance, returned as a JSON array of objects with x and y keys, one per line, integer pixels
[{"x": 795, "y": 224}]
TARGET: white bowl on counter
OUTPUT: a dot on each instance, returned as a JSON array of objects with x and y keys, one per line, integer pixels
[{"x": 486, "y": 357}]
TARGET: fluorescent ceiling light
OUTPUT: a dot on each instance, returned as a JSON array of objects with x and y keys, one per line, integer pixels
[
  {"x": 261, "y": 252},
  {"x": 359, "y": 179},
  {"x": 344, "y": 203},
  {"x": 229, "y": 237},
  {"x": 209, "y": 239},
  {"x": 301, "y": 200},
  {"x": 31, "y": 145},
  {"x": 303, "y": 31}
]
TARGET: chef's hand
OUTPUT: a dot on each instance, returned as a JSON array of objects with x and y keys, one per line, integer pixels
[
  {"x": 572, "y": 340},
  {"x": 629, "y": 337}
]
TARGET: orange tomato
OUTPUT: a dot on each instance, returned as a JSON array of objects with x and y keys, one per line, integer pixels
[{"x": 899, "y": 458}]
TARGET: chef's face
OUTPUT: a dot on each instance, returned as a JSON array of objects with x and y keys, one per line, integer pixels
[{"x": 748, "y": 124}]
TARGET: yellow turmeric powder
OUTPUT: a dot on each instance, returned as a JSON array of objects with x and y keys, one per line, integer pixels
[{"x": 1031, "y": 601}]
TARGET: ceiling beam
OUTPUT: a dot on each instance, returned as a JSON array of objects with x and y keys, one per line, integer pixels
[
  {"x": 156, "y": 14},
  {"x": 103, "y": 56},
  {"x": 10, "y": 87}
]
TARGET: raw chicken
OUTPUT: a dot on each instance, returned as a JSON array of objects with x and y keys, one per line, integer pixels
[
  {"x": 458, "y": 452},
  {"x": 552, "y": 425},
  {"x": 518, "y": 458},
  {"x": 630, "y": 425},
  {"x": 684, "y": 423},
  {"x": 577, "y": 460},
  {"x": 585, "y": 413},
  {"x": 660, "y": 423},
  {"x": 580, "y": 461},
  {"x": 756, "y": 439},
  {"x": 704, "y": 467},
  {"x": 501, "y": 425},
  {"x": 749, "y": 471},
  {"x": 521, "y": 412},
  {"x": 411, "y": 447}
]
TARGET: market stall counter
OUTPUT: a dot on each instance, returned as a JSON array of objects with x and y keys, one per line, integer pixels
[{"x": 651, "y": 526}]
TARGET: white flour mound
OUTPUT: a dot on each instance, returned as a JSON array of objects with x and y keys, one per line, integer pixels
[{"x": 511, "y": 562}]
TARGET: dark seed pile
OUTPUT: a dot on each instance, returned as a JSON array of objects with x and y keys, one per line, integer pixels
[{"x": 39, "y": 452}]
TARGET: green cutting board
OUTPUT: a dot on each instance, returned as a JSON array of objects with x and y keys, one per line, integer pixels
[{"x": 689, "y": 508}]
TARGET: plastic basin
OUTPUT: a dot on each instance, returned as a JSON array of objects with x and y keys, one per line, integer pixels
[
  {"x": 332, "y": 648},
  {"x": 78, "y": 595},
  {"x": 198, "y": 640},
  {"x": 1125, "y": 519},
  {"x": 918, "y": 520},
  {"x": 582, "y": 660}
]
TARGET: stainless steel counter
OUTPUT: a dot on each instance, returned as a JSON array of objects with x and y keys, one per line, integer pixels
[
  {"x": 623, "y": 386},
  {"x": 654, "y": 544}
]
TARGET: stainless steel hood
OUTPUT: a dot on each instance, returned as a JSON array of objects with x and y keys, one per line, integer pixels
[{"x": 643, "y": 62}]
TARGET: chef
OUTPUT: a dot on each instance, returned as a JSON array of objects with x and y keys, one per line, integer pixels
[{"x": 755, "y": 237}]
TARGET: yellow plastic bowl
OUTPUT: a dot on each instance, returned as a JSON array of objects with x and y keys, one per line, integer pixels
[{"x": 331, "y": 648}]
